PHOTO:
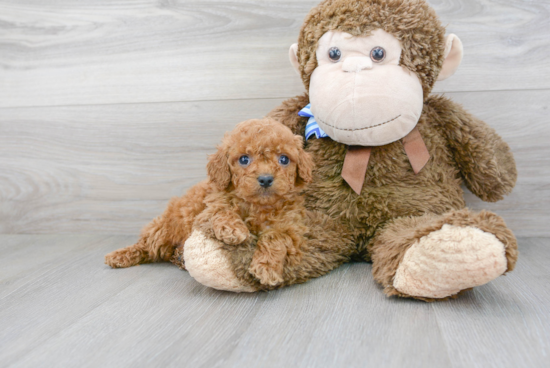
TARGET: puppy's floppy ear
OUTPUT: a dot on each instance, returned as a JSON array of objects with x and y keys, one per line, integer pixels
[
  {"x": 218, "y": 168},
  {"x": 305, "y": 164}
]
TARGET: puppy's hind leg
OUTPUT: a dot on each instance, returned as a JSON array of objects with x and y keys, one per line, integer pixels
[
  {"x": 161, "y": 236},
  {"x": 152, "y": 246}
]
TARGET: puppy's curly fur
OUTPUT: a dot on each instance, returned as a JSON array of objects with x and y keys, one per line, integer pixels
[{"x": 233, "y": 206}]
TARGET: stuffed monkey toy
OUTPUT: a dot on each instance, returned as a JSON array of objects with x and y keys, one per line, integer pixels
[
  {"x": 394, "y": 157},
  {"x": 390, "y": 160}
]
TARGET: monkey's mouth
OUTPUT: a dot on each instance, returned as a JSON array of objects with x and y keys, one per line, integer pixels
[{"x": 357, "y": 129}]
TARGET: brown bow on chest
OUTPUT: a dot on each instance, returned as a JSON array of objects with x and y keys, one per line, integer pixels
[{"x": 357, "y": 159}]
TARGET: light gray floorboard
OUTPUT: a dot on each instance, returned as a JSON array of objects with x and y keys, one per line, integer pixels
[
  {"x": 507, "y": 322},
  {"x": 29, "y": 256},
  {"x": 78, "y": 312},
  {"x": 112, "y": 168},
  {"x": 66, "y": 52}
]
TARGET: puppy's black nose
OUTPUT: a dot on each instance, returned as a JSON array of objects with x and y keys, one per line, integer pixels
[{"x": 265, "y": 180}]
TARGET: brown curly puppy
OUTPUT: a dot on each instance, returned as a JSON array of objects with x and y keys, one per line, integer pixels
[{"x": 253, "y": 191}]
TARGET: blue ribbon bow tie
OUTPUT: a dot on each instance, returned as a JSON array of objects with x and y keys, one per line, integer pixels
[{"x": 312, "y": 128}]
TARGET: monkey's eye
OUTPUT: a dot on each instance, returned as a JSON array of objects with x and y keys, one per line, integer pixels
[
  {"x": 284, "y": 160},
  {"x": 378, "y": 54},
  {"x": 244, "y": 160},
  {"x": 334, "y": 54}
]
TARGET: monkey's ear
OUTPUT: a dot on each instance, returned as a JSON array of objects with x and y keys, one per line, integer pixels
[
  {"x": 453, "y": 56},
  {"x": 293, "y": 55},
  {"x": 218, "y": 169}
]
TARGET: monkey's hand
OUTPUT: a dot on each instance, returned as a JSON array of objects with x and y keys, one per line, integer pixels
[{"x": 484, "y": 159}]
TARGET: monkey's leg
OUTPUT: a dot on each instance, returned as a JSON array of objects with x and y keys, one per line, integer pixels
[
  {"x": 161, "y": 236},
  {"x": 328, "y": 245},
  {"x": 436, "y": 256},
  {"x": 225, "y": 267}
]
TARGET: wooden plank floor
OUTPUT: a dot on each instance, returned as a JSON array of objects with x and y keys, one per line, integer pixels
[{"x": 60, "y": 306}]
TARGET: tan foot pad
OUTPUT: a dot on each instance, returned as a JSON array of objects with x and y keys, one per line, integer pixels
[
  {"x": 449, "y": 260},
  {"x": 208, "y": 263}
]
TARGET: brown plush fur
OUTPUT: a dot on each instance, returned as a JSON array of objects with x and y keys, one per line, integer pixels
[
  {"x": 233, "y": 207},
  {"x": 397, "y": 207},
  {"x": 463, "y": 149},
  {"x": 327, "y": 246}
]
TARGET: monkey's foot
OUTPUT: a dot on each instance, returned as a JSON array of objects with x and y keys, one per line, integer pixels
[
  {"x": 208, "y": 262},
  {"x": 450, "y": 260}
]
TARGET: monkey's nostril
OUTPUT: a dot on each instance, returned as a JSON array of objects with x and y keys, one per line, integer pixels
[{"x": 265, "y": 180}]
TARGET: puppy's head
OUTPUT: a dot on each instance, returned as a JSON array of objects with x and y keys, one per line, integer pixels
[{"x": 261, "y": 161}]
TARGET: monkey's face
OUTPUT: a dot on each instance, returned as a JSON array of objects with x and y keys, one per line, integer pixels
[{"x": 359, "y": 93}]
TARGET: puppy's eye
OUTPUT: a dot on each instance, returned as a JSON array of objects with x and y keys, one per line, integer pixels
[
  {"x": 334, "y": 54},
  {"x": 378, "y": 54},
  {"x": 284, "y": 160},
  {"x": 244, "y": 160}
]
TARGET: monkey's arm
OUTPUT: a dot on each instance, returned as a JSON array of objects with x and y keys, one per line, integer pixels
[
  {"x": 484, "y": 159},
  {"x": 287, "y": 114}
]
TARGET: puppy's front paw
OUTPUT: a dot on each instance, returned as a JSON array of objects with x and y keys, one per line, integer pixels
[
  {"x": 122, "y": 258},
  {"x": 267, "y": 274},
  {"x": 294, "y": 259},
  {"x": 231, "y": 234}
]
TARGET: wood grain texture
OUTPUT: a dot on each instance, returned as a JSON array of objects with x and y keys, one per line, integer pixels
[
  {"x": 72, "y": 310},
  {"x": 62, "y": 52},
  {"x": 112, "y": 168}
]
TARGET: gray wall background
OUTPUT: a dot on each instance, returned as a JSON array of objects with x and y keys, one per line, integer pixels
[{"x": 109, "y": 108}]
